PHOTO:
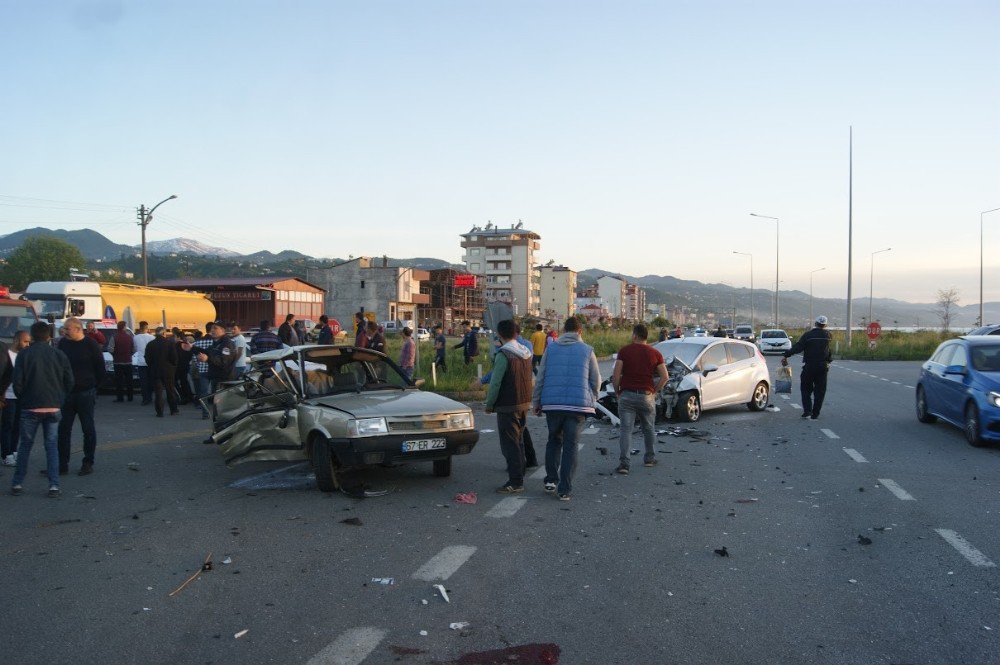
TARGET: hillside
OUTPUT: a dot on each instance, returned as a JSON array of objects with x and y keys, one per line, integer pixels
[{"x": 91, "y": 244}]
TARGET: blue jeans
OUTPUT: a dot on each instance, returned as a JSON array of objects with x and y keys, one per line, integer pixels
[
  {"x": 9, "y": 431},
  {"x": 634, "y": 406},
  {"x": 203, "y": 385},
  {"x": 50, "y": 435},
  {"x": 560, "y": 450},
  {"x": 80, "y": 404},
  {"x": 407, "y": 372}
]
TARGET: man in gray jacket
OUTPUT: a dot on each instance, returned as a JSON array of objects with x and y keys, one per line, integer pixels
[{"x": 42, "y": 379}]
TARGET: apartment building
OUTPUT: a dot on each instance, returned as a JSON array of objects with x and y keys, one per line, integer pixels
[
  {"x": 505, "y": 258},
  {"x": 386, "y": 293},
  {"x": 611, "y": 291},
  {"x": 557, "y": 289},
  {"x": 635, "y": 302}
]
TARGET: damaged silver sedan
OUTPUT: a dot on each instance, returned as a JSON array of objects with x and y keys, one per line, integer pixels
[{"x": 339, "y": 407}]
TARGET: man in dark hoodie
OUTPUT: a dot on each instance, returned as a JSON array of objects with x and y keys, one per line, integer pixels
[
  {"x": 42, "y": 379},
  {"x": 161, "y": 358},
  {"x": 509, "y": 395},
  {"x": 87, "y": 362}
]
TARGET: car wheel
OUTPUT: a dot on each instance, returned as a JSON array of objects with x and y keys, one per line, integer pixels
[
  {"x": 325, "y": 465},
  {"x": 972, "y": 426},
  {"x": 922, "y": 414},
  {"x": 761, "y": 396},
  {"x": 442, "y": 467},
  {"x": 689, "y": 407}
]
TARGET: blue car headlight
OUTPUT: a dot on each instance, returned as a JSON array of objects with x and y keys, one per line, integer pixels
[{"x": 994, "y": 398}]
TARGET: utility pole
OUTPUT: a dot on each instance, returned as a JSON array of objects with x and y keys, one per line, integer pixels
[
  {"x": 144, "y": 218},
  {"x": 850, "y": 230}
]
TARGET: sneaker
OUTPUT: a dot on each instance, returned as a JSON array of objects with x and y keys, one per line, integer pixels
[
  {"x": 54, "y": 492},
  {"x": 649, "y": 462},
  {"x": 16, "y": 490},
  {"x": 85, "y": 470},
  {"x": 507, "y": 488},
  {"x": 805, "y": 414},
  {"x": 564, "y": 497},
  {"x": 550, "y": 487},
  {"x": 9, "y": 460},
  {"x": 622, "y": 469}
]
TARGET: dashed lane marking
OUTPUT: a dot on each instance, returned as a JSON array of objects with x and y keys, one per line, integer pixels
[
  {"x": 350, "y": 648},
  {"x": 974, "y": 556},
  {"x": 443, "y": 565},
  {"x": 507, "y": 507},
  {"x": 784, "y": 396},
  {"x": 829, "y": 433},
  {"x": 896, "y": 383},
  {"x": 894, "y": 487},
  {"x": 795, "y": 406},
  {"x": 855, "y": 455},
  {"x": 910, "y": 387}
]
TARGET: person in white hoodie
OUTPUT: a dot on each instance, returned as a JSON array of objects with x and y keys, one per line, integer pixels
[
  {"x": 509, "y": 395},
  {"x": 140, "y": 340}
]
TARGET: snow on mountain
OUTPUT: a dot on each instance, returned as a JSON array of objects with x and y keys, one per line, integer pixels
[{"x": 181, "y": 245}]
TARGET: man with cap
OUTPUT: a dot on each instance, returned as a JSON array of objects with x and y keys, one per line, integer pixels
[{"x": 814, "y": 345}]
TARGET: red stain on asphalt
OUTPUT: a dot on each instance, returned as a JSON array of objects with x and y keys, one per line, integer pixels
[
  {"x": 405, "y": 651},
  {"x": 526, "y": 654}
]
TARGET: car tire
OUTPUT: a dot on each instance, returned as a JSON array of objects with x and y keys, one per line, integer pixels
[
  {"x": 689, "y": 407},
  {"x": 442, "y": 467},
  {"x": 761, "y": 396},
  {"x": 325, "y": 465},
  {"x": 972, "y": 425},
  {"x": 923, "y": 415}
]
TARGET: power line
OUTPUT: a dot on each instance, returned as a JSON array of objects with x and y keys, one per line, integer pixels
[{"x": 41, "y": 200}]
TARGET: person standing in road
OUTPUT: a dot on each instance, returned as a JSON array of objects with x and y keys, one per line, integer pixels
[
  {"x": 220, "y": 356},
  {"x": 538, "y": 339},
  {"x": 408, "y": 354},
  {"x": 182, "y": 379},
  {"x": 139, "y": 342},
  {"x": 161, "y": 359},
  {"x": 509, "y": 396},
  {"x": 42, "y": 380},
  {"x": 530, "y": 458},
  {"x": 814, "y": 345},
  {"x": 325, "y": 331},
  {"x": 10, "y": 417},
  {"x": 242, "y": 350},
  {"x": 202, "y": 383},
  {"x": 440, "y": 349},
  {"x": 376, "y": 340},
  {"x": 122, "y": 349},
  {"x": 360, "y": 328},
  {"x": 469, "y": 343},
  {"x": 87, "y": 363},
  {"x": 286, "y": 331},
  {"x": 636, "y": 365},
  {"x": 265, "y": 340},
  {"x": 93, "y": 333},
  {"x": 565, "y": 390}
]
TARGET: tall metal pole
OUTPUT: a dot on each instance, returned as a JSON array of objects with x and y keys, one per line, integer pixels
[
  {"x": 871, "y": 283},
  {"x": 144, "y": 218},
  {"x": 850, "y": 229},
  {"x": 752, "y": 322},
  {"x": 777, "y": 256},
  {"x": 811, "y": 318},
  {"x": 982, "y": 321}
]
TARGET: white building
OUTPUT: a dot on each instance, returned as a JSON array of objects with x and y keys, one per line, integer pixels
[
  {"x": 505, "y": 257},
  {"x": 557, "y": 288},
  {"x": 611, "y": 290}
]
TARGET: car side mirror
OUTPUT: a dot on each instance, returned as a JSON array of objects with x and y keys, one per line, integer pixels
[
  {"x": 954, "y": 369},
  {"x": 419, "y": 383},
  {"x": 708, "y": 369}
]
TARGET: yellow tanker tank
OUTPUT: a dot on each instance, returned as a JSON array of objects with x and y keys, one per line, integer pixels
[{"x": 186, "y": 310}]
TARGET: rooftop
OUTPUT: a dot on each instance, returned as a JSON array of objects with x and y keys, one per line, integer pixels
[{"x": 265, "y": 282}]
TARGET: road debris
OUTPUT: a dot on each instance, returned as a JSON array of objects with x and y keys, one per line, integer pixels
[
  {"x": 863, "y": 540},
  {"x": 444, "y": 592},
  {"x": 634, "y": 451},
  {"x": 352, "y": 521},
  {"x": 423, "y": 633},
  {"x": 466, "y": 497},
  {"x": 384, "y": 581},
  {"x": 486, "y": 431},
  {"x": 602, "y": 450},
  {"x": 227, "y": 561},
  {"x": 678, "y": 482},
  {"x": 133, "y": 466},
  {"x": 722, "y": 552},
  {"x": 206, "y": 566},
  {"x": 458, "y": 625},
  {"x": 362, "y": 492},
  {"x": 749, "y": 500},
  {"x": 543, "y": 654},
  {"x": 852, "y": 581},
  {"x": 772, "y": 408},
  {"x": 241, "y": 633}
]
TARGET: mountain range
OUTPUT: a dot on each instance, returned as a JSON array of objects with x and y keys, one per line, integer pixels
[{"x": 184, "y": 257}]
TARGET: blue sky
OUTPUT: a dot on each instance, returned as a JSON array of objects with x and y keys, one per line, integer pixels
[{"x": 633, "y": 136}]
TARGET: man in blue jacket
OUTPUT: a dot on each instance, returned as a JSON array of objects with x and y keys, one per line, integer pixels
[
  {"x": 566, "y": 391},
  {"x": 469, "y": 343}
]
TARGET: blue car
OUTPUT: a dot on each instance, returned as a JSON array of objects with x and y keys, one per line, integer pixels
[{"x": 961, "y": 384}]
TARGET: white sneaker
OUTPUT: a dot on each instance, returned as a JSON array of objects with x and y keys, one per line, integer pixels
[{"x": 10, "y": 460}]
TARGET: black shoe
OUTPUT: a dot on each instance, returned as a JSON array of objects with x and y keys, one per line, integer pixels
[
  {"x": 622, "y": 469},
  {"x": 85, "y": 470},
  {"x": 16, "y": 490},
  {"x": 53, "y": 492},
  {"x": 145, "y": 403},
  {"x": 805, "y": 414},
  {"x": 159, "y": 415},
  {"x": 649, "y": 462},
  {"x": 564, "y": 497},
  {"x": 507, "y": 488},
  {"x": 62, "y": 472},
  {"x": 814, "y": 416},
  {"x": 174, "y": 413}
]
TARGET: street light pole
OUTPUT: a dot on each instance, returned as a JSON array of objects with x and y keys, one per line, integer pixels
[
  {"x": 751, "y": 286},
  {"x": 811, "y": 319},
  {"x": 982, "y": 321},
  {"x": 777, "y": 247},
  {"x": 871, "y": 282},
  {"x": 145, "y": 216}
]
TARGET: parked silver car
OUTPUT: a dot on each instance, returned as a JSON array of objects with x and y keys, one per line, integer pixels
[
  {"x": 339, "y": 407},
  {"x": 774, "y": 340},
  {"x": 712, "y": 372}
]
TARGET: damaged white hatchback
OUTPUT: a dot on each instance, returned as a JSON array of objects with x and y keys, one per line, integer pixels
[{"x": 339, "y": 407}]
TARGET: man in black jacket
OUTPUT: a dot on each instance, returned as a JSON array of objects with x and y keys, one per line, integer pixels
[
  {"x": 814, "y": 345},
  {"x": 469, "y": 343},
  {"x": 87, "y": 361},
  {"x": 221, "y": 357},
  {"x": 42, "y": 378},
  {"x": 161, "y": 358}
]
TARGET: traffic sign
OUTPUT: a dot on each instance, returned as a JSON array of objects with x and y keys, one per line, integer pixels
[
  {"x": 872, "y": 344},
  {"x": 874, "y": 330}
]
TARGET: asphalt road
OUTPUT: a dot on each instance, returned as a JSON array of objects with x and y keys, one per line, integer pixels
[{"x": 623, "y": 573}]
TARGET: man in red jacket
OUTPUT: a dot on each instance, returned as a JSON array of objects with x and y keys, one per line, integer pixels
[{"x": 121, "y": 349}]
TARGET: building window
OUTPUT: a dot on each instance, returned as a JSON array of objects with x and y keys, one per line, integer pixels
[{"x": 362, "y": 284}]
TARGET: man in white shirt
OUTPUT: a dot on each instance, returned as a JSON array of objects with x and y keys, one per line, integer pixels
[
  {"x": 140, "y": 340},
  {"x": 10, "y": 417},
  {"x": 240, "y": 342}
]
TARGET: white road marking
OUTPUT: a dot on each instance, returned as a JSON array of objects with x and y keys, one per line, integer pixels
[
  {"x": 829, "y": 433},
  {"x": 896, "y": 383},
  {"x": 795, "y": 406},
  {"x": 894, "y": 487},
  {"x": 784, "y": 396},
  {"x": 352, "y": 647},
  {"x": 910, "y": 387},
  {"x": 507, "y": 507},
  {"x": 287, "y": 477},
  {"x": 885, "y": 379},
  {"x": 579, "y": 446},
  {"x": 975, "y": 557},
  {"x": 443, "y": 565},
  {"x": 855, "y": 455}
]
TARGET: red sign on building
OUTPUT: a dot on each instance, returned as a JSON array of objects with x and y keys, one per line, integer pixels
[{"x": 465, "y": 281}]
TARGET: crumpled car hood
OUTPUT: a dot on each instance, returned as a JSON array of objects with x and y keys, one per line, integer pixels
[{"x": 390, "y": 403}]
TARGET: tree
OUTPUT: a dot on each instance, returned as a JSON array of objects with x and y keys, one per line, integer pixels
[
  {"x": 947, "y": 301},
  {"x": 659, "y": 322},
  {"x": 41, "y": 259}
]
